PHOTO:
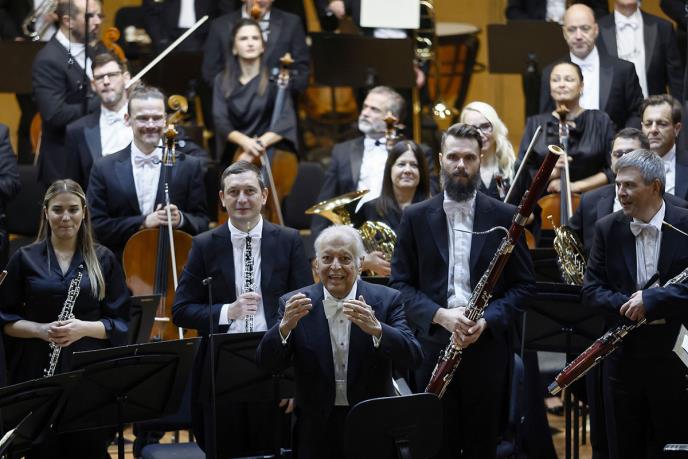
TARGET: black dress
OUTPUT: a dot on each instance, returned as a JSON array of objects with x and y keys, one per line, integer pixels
[
  {"x": 35, "y": 289},
  {"x": 589, "y": 144},
  {"x": 369, "y": 212},
  {"x": 249, "y": 112}
]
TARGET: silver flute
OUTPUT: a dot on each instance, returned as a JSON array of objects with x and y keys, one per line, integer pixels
[{"x": 66, "y": 313}]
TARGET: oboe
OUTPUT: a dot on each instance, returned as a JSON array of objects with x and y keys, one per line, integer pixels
[
  {"x": 600, "y": 349},
  {"x": 66, "y": 313},
  {"x": 248, "y": 281},
  {"x": 450, "y": 357}
]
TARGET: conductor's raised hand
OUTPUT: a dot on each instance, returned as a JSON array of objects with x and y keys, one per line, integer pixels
[
  {"x": 361, "y": 314},
  {"x": 296, "y": 308}
]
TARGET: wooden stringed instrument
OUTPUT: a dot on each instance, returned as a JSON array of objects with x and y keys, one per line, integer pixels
[{"x": 153, "y": 256}]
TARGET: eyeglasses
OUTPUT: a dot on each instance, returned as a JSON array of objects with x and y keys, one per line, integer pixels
[
  {"x": 110, "y": 76},
  {"x": 485, "y": 128}
]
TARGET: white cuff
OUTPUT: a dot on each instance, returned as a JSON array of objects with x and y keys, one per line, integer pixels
[
  {"x": 224, "y": 320},
  {"x": 284, "y": 338}
]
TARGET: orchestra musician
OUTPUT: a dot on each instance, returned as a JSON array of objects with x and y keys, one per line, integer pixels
[
  {"x": 104, "y": 131},
  {"x": 645, "y": 384},
  {"x": 278, "y": 265},
  {"x": 405, "y": 180},
  {"x": 125, "y": 189},
  {"x": 244, "y": 98},
  {"x": 342, "y": 336},
  {"x": 282, "y": 33},
  {"x": 58, "y": 82},
  {"x": 9, "y": 187},
  {"x": 436, "y": 265},
  {"x": 590, "y": 134},
  {"x": 34, "y": 294}
]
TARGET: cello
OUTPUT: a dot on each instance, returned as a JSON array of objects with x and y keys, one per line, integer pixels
[{"x": 156, "y": 273}]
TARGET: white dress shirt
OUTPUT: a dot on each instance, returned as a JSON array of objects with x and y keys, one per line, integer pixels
[
  {"x": 77, "y": 50},
  {"x": 372, "y": 169},
  {"x": 590, "y": 100},
  {"x": 459, "y": 217},
  {"x": 114, "y": 133},
  {"x": 647, "y": 244},
  {"x": 630, "y": 43},
  {"x": 340, "y": 329},
  {"x": 146, "y": 178},
  {"x": 670, "y": 170},
  {"x": 187, "y": 14},
  {"x": 238, "y": 250},
  {"x": 555, "y": 11}
]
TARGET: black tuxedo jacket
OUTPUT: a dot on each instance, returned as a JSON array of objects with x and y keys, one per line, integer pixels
[
  {"x": 309, "y": 350},
  {"x": 620, "y": 93},
  {"x": 286, "y": 35},
  {"x": 663, "y": 62},
  {"x": 9, "y": 174},
  {"x": 283, "y": 268},
  {"x": 115, "y": 211},
  {"x": 537, "y": 9},
  {"x": 610, "y": 278},
  {"x": 598, "y": 203},
  {"x": 57, "y": 87},
  {"x": 84, "y": 148},
  {"x": 420, "y": 266}
]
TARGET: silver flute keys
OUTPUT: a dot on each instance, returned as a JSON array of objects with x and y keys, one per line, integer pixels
[
  {"x": 66, "y": 313},
  {"x": 248, "y": 281}
]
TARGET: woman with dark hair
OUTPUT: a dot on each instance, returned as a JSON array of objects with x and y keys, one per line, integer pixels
[
  {"x": 244, "y": 99},
  {"x": 35, "y": 292},
  {"x": 590, "y": 134},
  {"x": 406, "y": 180}
]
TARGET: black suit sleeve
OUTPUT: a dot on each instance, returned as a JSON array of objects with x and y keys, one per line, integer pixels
[
  {"x": 397, "y": 342},
  {"x": 111, "y": 231},
  {"x": 597, "y": 289},
  {"x": 271, "y": 354},
  {"x": 634, "y": 97},
  {"x": 676, "y": 10},
  {"x": 115, "y": 306},
  {"x": 674, "y": 61},
  {"x": 546, "y": 103},
  {"x": 213, "y": 58},
  {"x": 190, "y": 309},
  {"x": 9, "y": 174},
  {"x": 74, "y": 167},
  {"x": 667, "y": 302}
]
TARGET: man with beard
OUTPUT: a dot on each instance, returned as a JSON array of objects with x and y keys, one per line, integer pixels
[
  {"x": 436, "y": 265},
  {"x": 104, "y": 131},
  {"x": 359, "y": 164},
  {"x": 59, "y": 85},
  {"x": 126, "y": 190}
]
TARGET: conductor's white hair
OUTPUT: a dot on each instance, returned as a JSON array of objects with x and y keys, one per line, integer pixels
[{"x": 341, "y": 233}]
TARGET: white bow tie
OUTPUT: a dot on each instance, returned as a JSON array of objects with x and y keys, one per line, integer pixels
[
  {"x": 112, "y": 118},
  {"x": 623, "y": 24},
  {"x": 638, "y": 227},
  {"x": 150, "y": 160},
  {"x": 452, "y": 207},
  {"x": 241, "y": 237},
  {"x": 331, "y": 306}
]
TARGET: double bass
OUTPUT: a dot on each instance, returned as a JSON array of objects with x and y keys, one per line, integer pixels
[{"x": 153, "y": 256}]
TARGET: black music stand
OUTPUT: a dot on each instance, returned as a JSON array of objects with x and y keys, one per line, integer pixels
[
  {"x": 525, "y": 47},
  {"x": 238, "y": 379},
  {"x": 555, "y": 321},
  {"x": 395, "y": 427},
  {"x": 30, "y": 408},
  {"x": 127, "y": 384},
  {"x": 142, "y": 316},
  {"x": 21, "y": 54}
]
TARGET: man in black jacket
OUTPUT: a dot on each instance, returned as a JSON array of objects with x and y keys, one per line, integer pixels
[{"x": 9, "y": 187}]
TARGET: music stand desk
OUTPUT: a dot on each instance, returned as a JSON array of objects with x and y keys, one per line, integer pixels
[{"x": 511, "y": 46}]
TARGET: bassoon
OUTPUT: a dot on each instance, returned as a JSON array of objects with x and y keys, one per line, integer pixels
[
  {"x": 450, "y": 357},
  {"x": 600, "y": 349}
]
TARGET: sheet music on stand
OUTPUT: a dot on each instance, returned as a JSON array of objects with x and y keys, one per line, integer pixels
[{"x": 399, "y": 14}]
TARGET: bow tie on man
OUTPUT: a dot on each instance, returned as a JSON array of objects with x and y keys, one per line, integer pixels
[
  {"x": 638, "y": 227},
  {"x": 112, "y": 118},
  {"x": 332, "y": 305},
  {"x": 627, "y": 24},
  {"x": 241, "y": 237},
  {"x": 452, "y": 207},
  {"x": 150, "y": 160}
]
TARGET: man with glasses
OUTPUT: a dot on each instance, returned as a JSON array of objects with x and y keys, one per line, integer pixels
[
  {"x": 126, "y": 190},
  {"x": 661, "y": 115},
  {"x": 611, "y": 84},
  {"x": 59, "y": 86}
]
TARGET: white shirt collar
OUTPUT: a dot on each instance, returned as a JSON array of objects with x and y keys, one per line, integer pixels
[
  {"x": 592, "y": 59},
  {"x": 635, "y": 17},
  {"x": 658, "y": 218},
  {"x": 119, "y": 114},
  {"x": 75, "y": 48},
  {"x": 468, "y": 204},
  {"x": 670, "y": 156},
  {"x": 136, "y": 152},
  {"x": 349, "y": 296},
  {"x": 255, "y": 231}
]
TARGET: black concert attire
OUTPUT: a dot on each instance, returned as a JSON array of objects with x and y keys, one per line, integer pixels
[
  {"x": 370, "y": 212},
  {"x": 283, "y": 267},
  {"x": 320, "y": 408},
  {"x": 248, "y": 111},
  {"x": 645, "y": 383},
  {"x": 285, "y": 34},
  {"x": 58, "y": 87},
  {"x": 475, "y": 399},
  {"x": 537, "y": 9},
  {"x": 35, "y": 289},
  {"x": 9, "y": 187},
  {"x": 588, "y": 147}
]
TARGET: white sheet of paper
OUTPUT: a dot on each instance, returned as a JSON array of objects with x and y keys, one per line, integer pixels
[
  {"x": 681, "y": 345},
  {"x": 392, "y": 14}
]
